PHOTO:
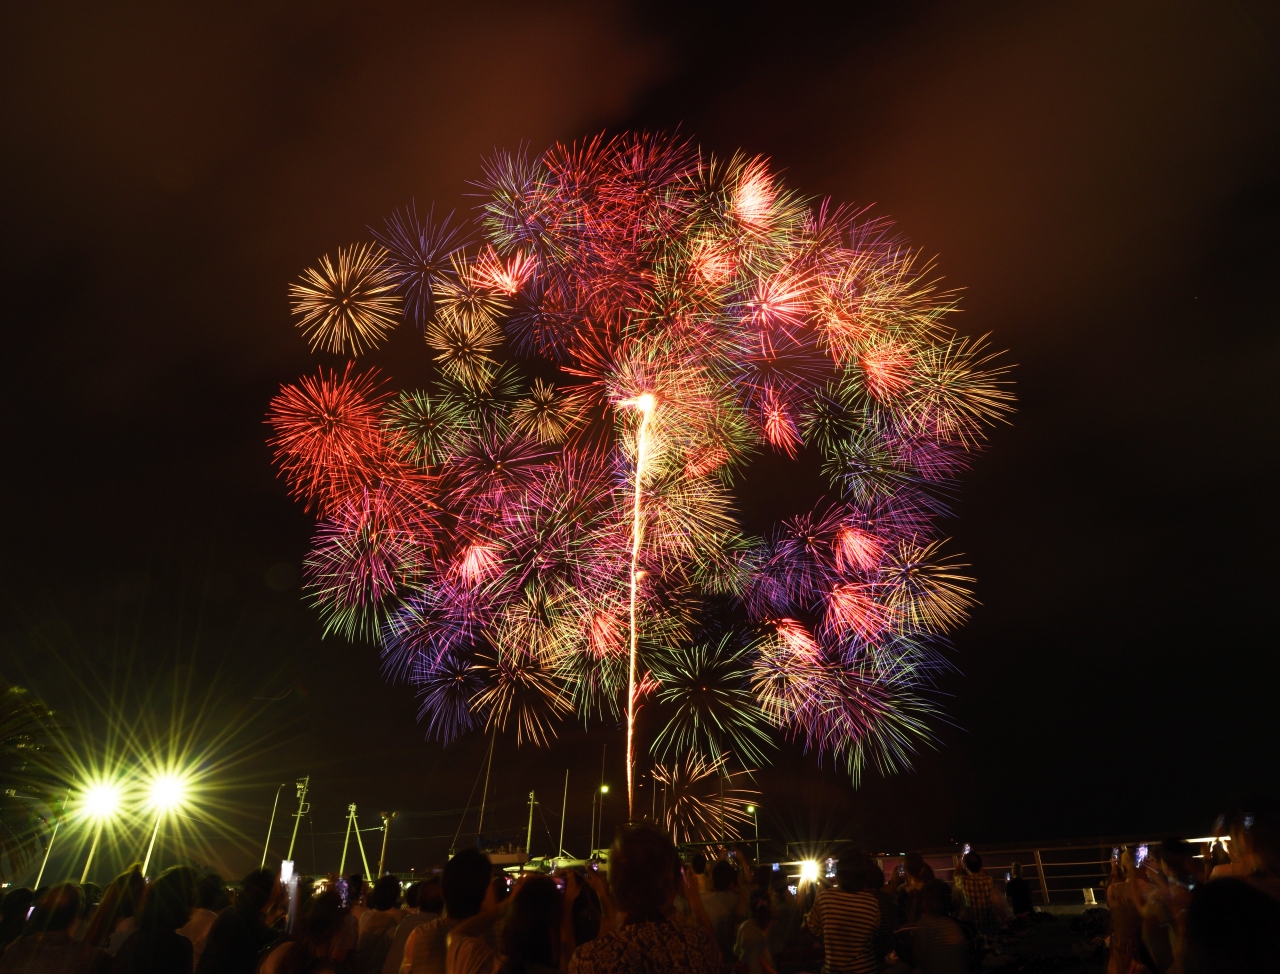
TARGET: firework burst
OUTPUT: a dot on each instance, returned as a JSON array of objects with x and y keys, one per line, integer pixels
[
  {"x": 702, "y": 800},
  {"x": 540, "y": 530},
  {"x": 347, "y": 306}
]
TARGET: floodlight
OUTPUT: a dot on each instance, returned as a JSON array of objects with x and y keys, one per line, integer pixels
[
  {"x": 101, "y": 800},
  {"x": 168, "y": 792},
  {"x": 809, "y": 871}
]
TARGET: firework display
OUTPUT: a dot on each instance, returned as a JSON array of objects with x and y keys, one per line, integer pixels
[{"x": 544, "y": 530}]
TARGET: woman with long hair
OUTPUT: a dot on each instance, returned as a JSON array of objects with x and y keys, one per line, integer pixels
[{"x": 114, "y": 919}]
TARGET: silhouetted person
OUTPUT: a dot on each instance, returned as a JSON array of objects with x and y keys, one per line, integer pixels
[
  {"x": 463, "y": 884},
  {"x": 916, "y": 875},
  {"x": 356, "y": 889},
  {"x": 115, "y": 919},
  {"x": 48, "y": 947},
  {"x": 721, "y": 904},
  {"x": 699, "y": 863},
  {"x": 1126, "y": 921},
  {"x": 979, "y": 894},
  {"x": 1174, "y": 869},
  {"x": 311, "y": 951},
  {"x": 13, "y": 914},
  {"x": 1018, "y": 891},
  {"x": 377, "y": 925},
  {"x": 211, "y": 899},
  {"x": 422, "y": 905},
  {"x": 751, "y": 946},
  {"x": 1231, "y": 927},
  {"x": 156, "y": 947},
  {"x": 90, "y": 897},
  {"x": 847, "y": 919},
  {"x": 531, "y": 932},
  {"x": 938, "y": 943},
  {"x": 644, "y": 878},
  {"x": 241, "y": 934},
  {"x": 889, "y": 918}
]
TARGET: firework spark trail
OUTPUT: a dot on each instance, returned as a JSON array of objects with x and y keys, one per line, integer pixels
[
  {"x": 644, "y": 404},
  {"x": 544, "y": 527}
]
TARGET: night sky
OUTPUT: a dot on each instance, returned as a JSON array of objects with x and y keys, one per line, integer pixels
[{"x": 1102, "y": 180}]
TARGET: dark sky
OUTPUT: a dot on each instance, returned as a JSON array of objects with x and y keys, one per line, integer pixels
[{"x": 1102, "y": 180}]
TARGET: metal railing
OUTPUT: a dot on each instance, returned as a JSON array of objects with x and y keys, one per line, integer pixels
[{"x": 1059, "y": 873}]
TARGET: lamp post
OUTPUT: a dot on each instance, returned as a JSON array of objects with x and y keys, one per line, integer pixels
[
  {"x": 755, "y": 818},
  {"x": 168, "y": 792},
  {"x": 386, "y": 830},
  {"x": 101, "y": 802},
  {"x": 49, "y": 848},
  {"x": 604, "y": 790},
  {"x": 270, "y": 825}
]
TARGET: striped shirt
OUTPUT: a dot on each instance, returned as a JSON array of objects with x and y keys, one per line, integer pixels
[{"x": 847, "y": 924}]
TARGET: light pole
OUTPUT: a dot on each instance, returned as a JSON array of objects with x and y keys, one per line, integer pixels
[
  {"x": 168, "y": 792},
  {"x": 303, "y": 785},
  {"x": 386, "y": 830},
  {"x": 49, "y": 848},
  {"x": 755, "y": 818},
  {"x": 101, "y": 802},
  {"x": 604, "y": 790},
  {"x": 270, "y": 825}
]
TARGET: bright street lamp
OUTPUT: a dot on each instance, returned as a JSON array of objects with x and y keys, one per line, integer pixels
[
  {"x": 167, "y": 794},
  {"x": 755, "y": 819},
  {"x": 597, "y": 797},
  {"x": 101, "y": 801}
]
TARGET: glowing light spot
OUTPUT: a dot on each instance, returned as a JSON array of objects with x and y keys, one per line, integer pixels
[
  {"x": 857, "y": 550},
  {"x": 507, "y": 277},
  {"x": 479, "y": 561},
  {"x": 705, "y": 460},
  {"x": 780, "y": 429},
  {"x": 101, "y": 800},
  {"x": 168, "y": 792},
  {"x": 605, "y": 640},
  {"x": 887, "y": 371},
  {"x": 796, "y": 638},
  {"x": 753, "y": 202},
  {"x": 852, "y": 609},
  {"x": 712, "y": 262}
]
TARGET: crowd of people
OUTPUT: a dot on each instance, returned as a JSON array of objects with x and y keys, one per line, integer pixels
[{"x": 649, "y": 912}]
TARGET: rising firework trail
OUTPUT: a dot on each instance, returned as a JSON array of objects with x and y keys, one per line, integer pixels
[
  {"x": 644, "y": 404},
  {"x": 548, "y": 525}
]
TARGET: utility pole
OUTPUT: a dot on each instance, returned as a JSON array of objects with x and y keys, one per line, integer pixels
[
  {"x": 386, "y": 831},
  {"x": 528, "y": 836},
  {"x": 352, "y": 823},
  {"x": 303, "y": 808},
  {"x": 346, "y": 839}
]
